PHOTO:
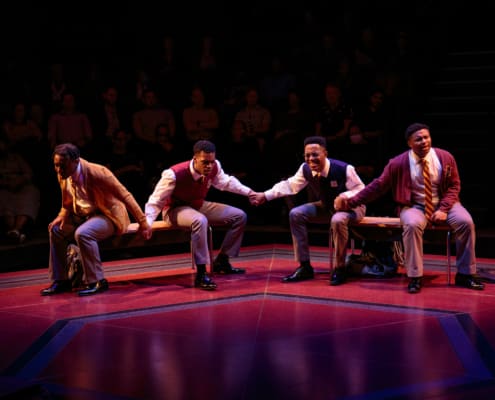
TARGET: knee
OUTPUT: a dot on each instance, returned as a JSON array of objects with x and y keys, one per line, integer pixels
[
  {"x": 296, "y": 214},
  {"x": 80, "y": 236},
  {"x": 413, "y": 226},
  {"x": 55, "y": 234},
  {"x": 199, "y": 222},
  {"x": 339, "y": 219},
  {"x": 466, "y": 224},
  {"x": 242, "y": 218}
]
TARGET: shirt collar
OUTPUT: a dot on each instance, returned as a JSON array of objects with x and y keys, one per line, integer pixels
[
  {"x": 194, "y": 174},
  {"x": 326, "y": 169},
  {"x": 417, "y": 159},
  {"x": 76, "y": 176}
]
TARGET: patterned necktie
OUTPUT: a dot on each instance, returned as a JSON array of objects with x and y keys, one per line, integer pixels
[{"x": 428, "y": 192}]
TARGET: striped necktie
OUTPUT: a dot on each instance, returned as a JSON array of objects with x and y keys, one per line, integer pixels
[{"x": 428, "y": 192}]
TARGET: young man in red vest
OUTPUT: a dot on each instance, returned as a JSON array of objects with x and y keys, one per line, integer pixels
[{"x": 180, "y": 196}]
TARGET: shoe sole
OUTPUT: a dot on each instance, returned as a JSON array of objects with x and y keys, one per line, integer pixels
[
  {"x": 92, "y": 293},
  {"x": 222, "y": 272},
  {"x": 205, "y": 288},
  {"x": 296, "y": 280}
]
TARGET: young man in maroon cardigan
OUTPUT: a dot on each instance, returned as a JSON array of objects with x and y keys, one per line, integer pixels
[{"x": 403, "y": 176}]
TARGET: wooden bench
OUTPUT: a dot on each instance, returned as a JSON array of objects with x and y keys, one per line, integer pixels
[
  {"x": 390, "y": 229},
  {"x": 163, "y": 234}
]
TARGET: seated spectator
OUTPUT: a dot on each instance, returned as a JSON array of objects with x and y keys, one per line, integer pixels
[
  {"x": 69, "y": 125},
  {"x": 167, "y": 152},
  {"x": 127, "y": 164},
  {"x": 145, "y": 121},
  {"x": 23, "y": 135},
  {"x": 200, "y": 121},
  {"x": 334, "y": 119},
  {"x": 19, "y": 197},
  {"x": 256, "y": 118}
]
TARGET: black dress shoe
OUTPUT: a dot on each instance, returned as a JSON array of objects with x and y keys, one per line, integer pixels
[
  {"x": 414, "y": 285},
  {"x": 204, "y": 282},
  {"x": 57, "y": 287},
  {"x": 300, "y": 274},
  {"x": 95, "y": 287},
  {"x": 468, "y": 281},
  {"x": 338, "y": 276},
  {"x": 224, "y": 267}
]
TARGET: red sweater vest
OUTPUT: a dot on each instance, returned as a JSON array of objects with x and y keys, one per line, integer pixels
[{"x": 189, "y": 192}]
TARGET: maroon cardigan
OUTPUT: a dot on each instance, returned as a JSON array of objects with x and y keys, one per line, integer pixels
[{"x": 396, "y": 177}]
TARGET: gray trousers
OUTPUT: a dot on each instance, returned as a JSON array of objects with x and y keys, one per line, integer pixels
[
  {"x": 86, "y": 235},
  {"x": 214, "y": 214},
  {"x": 413, "y": 224},
  {"x": 315, "y": 212}
]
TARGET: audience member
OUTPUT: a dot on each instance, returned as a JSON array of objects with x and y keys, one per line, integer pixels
[
  {"x": 200, "y": 120},
  {"x": 256, "y": 118},
  {"x": 127, "y": 164},
  {"x": 275, "y": 86},
  {"x": 334, "y": 119},
  {"x": 145, "y": 121},
  {"x": 69, "y": 125},
  {"x": 19, "y": 196},
  {"x": 108, "y": 115},
  {"x": 290, "y": 126},
  {"x": 167, "y": 152},
  {"x": 22, "y": 134}
]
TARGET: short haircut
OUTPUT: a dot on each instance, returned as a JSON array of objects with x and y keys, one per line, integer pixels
[
  {"x": 67, "y": 150},
  {"x": 316, "y": 140},
  {"x": 204, "y": 145},
  {"x": 414, "y": 128}
]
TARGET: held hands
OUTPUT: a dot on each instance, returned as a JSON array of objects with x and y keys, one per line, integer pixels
[
  {"x": 340, "y": 203},
  {"x": 257, "y": 198}
]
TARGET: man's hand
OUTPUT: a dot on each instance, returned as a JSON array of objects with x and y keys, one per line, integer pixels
[
  {"x": 145, "y": 230},
  {"x": 57, "y": 221},
  {"x": 340, "y": 203},
  {"x": 257, "y": 198},
  {"x": 439, "y": 217}
]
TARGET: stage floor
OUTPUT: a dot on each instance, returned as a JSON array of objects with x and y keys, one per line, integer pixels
[{"x": 153, "y": 336}]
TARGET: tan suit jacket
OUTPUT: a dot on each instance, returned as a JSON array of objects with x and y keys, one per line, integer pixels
[{"x": 109, "y": 195}]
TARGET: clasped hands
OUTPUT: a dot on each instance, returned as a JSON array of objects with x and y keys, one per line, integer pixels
[
  {"x": 340, "y": 203},
  {"x": 256, "y": 198}
]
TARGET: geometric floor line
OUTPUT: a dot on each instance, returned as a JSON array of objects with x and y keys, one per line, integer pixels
[
  {"x": 46, "y": 348},
  {"x": 152, "y": 336}
]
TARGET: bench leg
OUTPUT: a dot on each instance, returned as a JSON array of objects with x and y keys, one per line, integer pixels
[
  {"x": 330, "y": 251},
  {"x": 449, "y": 265},
  {"x": 210, "y": 247}
]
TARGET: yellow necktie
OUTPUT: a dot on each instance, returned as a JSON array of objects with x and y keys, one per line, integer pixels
[{"x": 428, "y": 192}]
